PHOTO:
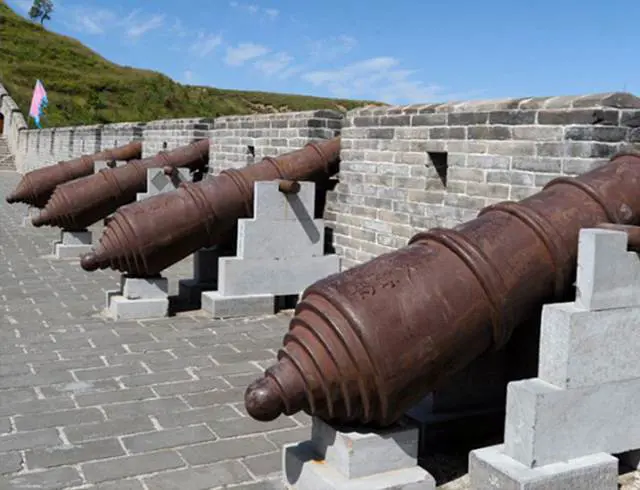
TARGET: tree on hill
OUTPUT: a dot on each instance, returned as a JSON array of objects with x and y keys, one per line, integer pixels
[{"x": 41, "y": 10}]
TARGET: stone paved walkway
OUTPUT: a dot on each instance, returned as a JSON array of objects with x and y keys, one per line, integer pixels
[{"x": 88, "y": 403}]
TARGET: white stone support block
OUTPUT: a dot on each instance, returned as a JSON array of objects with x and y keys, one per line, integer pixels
[
  {"x": 490, "y": 468},
  {"x": 139, "y": 298},
  {"x": 580, "y": 348},
  {"x": 158, "y": 182},
  {"x": 219, "y": 306},
  {"x": 280, "y": 252},
  {"x": 205, "y": 276},
  {"x": 546, "y": 424},
  {"x": 31, "y": 213},
  {"x": 355, "y": 460},
  {"x": 608, "y": 276},
  {"x": 291, "y": 276},
  {"x": 72, "y": 244}
]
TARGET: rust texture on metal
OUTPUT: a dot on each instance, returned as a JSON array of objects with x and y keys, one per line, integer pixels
[
  {"x": 366, "y": 344},
  {"x": 146, "y": 237},
  {"x": 80, "y": 203},
  {"x": 36, "y": 186},
  {"x": 289, "y": 186}
]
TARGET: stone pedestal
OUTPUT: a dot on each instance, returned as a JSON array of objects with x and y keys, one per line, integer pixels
[
  {"x": 31, "y": 213},
  {"x": 139, "y": 298},
  {"x": 158, "y": 182},
  {"x": 205, "y": 277},
  {"x": 344, "y": 459},
  {"x": 280, "y": 251},
  {"x": 561, "y": 427},
  {"x": 72, "y": 244}
]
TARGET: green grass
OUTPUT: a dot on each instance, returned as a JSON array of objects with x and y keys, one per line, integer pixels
[{"x": 85, "y": 88}]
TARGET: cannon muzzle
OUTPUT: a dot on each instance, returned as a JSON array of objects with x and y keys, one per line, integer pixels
[
  {"x": 36, "y": 186},
  {"x": 146, "y": 237},
  {"x": 80, "y": 203},
  {"x": 366, "y": 344}
]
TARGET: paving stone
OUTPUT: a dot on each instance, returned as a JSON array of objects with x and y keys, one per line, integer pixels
[
  {"x": 244, "y": 425},
  {"x": 28, "y": 440},
  {"x": 202, "y": 478},
  {"x": 78, "y": 453},
  {"x": 189, "y": 387},
  {"x": 114, "y": 396},
  {"x": 37, "y": 406},
  {"x": 264, "y": 464},
  {"x": 156, "y": 378},
  {"x": 10, "y": 463},
  {"x": 111, "y": 428},
  {"x": 197, "y": 416},
  {"x": 56, "y": 419},
  {"x": 226, "y": 449},
  {"x": 53, "y": 479},
  {"x": 165, "y": 439},
  {"x": 150, "y": 407},
  {"x": 129, "y": 484},
  {"x": 128, "y": 466}
]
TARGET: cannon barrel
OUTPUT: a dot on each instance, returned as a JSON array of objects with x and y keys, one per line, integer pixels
[
  {"x": 78, "y": 204},
  {"x": 367, "y": 344},
  {"x": 146, "y": 237},
  {"x": 36, "y": 186}
]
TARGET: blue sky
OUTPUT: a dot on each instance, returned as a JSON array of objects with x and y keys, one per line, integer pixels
[{"x": 400, "y": 51}]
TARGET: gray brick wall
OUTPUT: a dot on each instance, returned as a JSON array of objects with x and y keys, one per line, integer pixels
[
  {"x": 406, "y": 169},
  {"x": 237, "y": 141},
  {"x": 42, "y": 147},
  {"x": 169, "y": 134},
  {"x": 14, "y": 123}
]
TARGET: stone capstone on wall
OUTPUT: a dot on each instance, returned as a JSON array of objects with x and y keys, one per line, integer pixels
[{"x": 406, "y": 169}]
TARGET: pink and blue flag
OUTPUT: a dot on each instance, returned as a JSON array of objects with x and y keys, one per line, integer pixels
[{"x": 38, "y": 102}]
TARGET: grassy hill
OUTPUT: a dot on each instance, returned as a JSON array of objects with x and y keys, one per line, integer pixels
[{"x": 85, "y": 88}]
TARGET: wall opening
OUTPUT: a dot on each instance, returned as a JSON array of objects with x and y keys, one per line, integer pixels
[
  {"x": 439, "y": 161},
  {"x": 1, "y": 124},
  {"x": 251, "y": 150},
  {"x": 164, "y": 145}
]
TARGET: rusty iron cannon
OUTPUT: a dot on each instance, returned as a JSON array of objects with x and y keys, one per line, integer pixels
[
  {"x": 36, "y": 186},
  {"x": 78, "y": 204},
  {"x": 367, "y": 344},
  {"x": 146, "y": 237}
]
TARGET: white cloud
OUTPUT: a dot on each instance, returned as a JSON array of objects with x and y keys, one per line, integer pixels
[
  {"x": 331, "y": 48},
  {"x": 178, "y": 28},
  {"x": 277, "y": 64},
  {"x": 187, "y": 76},
  {"x": 89, "y": 21},
  {"x": 205, "y": 44},
  {"x": 244, "y": 52},
  {"x": 379, "y": 78},
  {"x": 137, "y": 29},
  {"x": 98, "y": 21},
  {"x": 252, "y": 9}
]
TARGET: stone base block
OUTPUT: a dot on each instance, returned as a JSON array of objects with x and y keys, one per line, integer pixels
[
  {"x": 62, "y": 251},
  {"x": 240, "y": 276},
  {"x": 491, "y": 468},
  {"x": 305, "y": 470},
  {"x": 72, "y": 244},
  {"x": 235, "y": 306},
  {"x": 121, "y": 308},
  {"x": 190, "y": 291},
  {"x": 545, "y": 424}
]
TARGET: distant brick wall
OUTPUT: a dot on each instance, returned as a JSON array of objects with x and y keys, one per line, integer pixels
[
  {"x": 41, "y": 147},
  {"x": 405, "y": 169},
  {"x": 237, "y": 141},
  {"x": 14, "y": 122},
  {"x": 169, "y": 134}
]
